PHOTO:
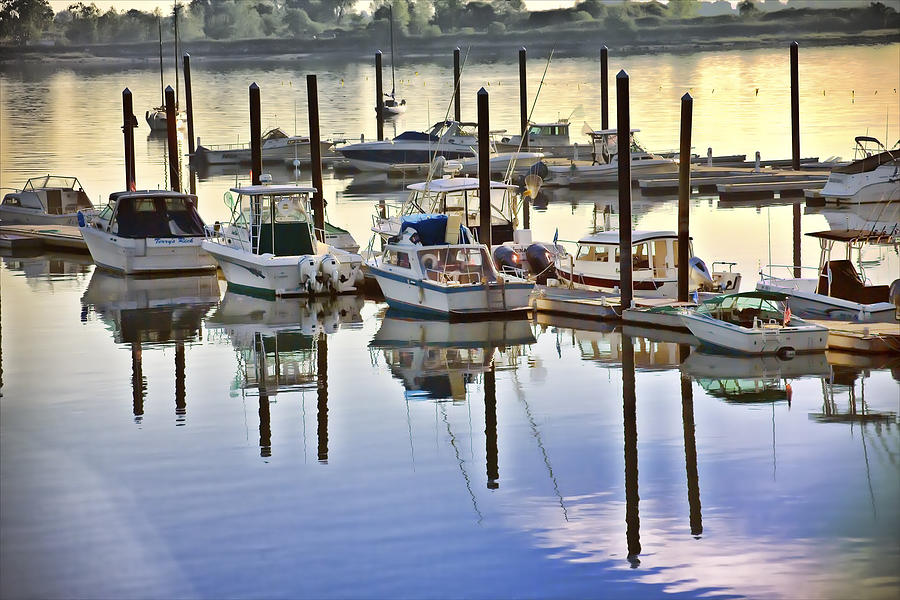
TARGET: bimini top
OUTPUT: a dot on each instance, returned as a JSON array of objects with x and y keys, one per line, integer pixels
[
  {"x": 455, "y": 184},
  {"x": 273, "y": 190},
  {"x": 868, "y": 236},
  {"x": 597, "y": 132},
  {"x": 141, "y": 194},
  {"x": 749, "y": 296},
  {"x": 612, "y": 236}
]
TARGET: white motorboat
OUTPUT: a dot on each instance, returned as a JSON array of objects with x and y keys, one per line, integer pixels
[
  {"x": 512, "y": 248},
  {"x": 147, "y": 231},
  {"x": 753, "y": 323},
  {"x": 603, "y": 167},
  {"x": 449, "y": 139},
  {"x": 47, "y": 200},
  {"x": 270, "y": 247},
  {"x": 595, "y": 266},
  {"x": 276, "y": 146},
  {"x": 157, "y": 120},
  {"x": 550, "y": 138},
  {"x": 434, "y": 267},
  {"x": 838, "y": 291},
  {"x": 873, "y": 177}
]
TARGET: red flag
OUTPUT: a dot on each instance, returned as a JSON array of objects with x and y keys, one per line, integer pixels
[
  {"x": 132, "y": 186},
  {"x": 787, "y": 314}
]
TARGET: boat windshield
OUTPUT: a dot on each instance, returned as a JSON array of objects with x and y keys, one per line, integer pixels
[
  {"x": 287, "y": 208},
  {"x": 460, "y": 202},
  {"x": 52, "y": 181},
  {"x": 160, "y": 216},
  {"x": 743, "y": 309},
  {"x": 466, "y": 265}
]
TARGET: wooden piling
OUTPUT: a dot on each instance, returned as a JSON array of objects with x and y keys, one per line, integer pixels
[
  {"x": 315, "y": 153},
  {"x": 523, "y": 99},
  {"x": 798, "y": 237},
  {"x": 322, "y": 400},
  {"x": 188, "y": 103},
  {"x": 457, "y": 92},
  {"x": 490, "y": 427},
  {"x": 379, "y": 97},
  {"x": 265, "y": 417},
  {"x": 623, "y": 123},
  {"x": 795, "y": 106},
  {"x": 255, "y": 135},
  {"x": 172, "y": 134},
  {"x": 128, "y": 125},
  {"x": 684, "y": 195},
  {"x": 604, "y": 87},
  {"x": 629, "y": 410},
  {"x": 484, "y": 169},
  {"x": 138, "y": 385}
]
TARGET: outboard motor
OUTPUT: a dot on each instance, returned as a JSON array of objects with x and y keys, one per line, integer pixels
[
  {"x": 700, "y": 274},
  {"x": 894, "y": 295},
  {"x": 540, "y": 261},
  {"x": 329, "y": 274},
  {"x": 309, "y": 269},
  {"x": 506, "y": 259}
]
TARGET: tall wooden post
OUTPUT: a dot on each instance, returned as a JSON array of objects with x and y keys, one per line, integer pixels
[
  {"x": 189, "y": 109},
  {"x": 172, "y": 135},
  {"x": 315, "y": 152},
  {"x": 138, "y": 385},
  {"x": 180, "y": 396},
  {"x": 684, "y": 195},
  {"x": 632, "y": 498},
  {"x": 798, "y": 237},
  {"x": 128, "y": 124},
  {"x": 523, "y": 99},
  {"x": 604, "y": 87},
  {"x": 795, "y": 106},
  {"x": 379, "y": 97},
  {"x": 623, "y": 119},
  {"x": 255, "y": 135},
  {"x": 265, "y": 417},
  {"x": 484, "y": 169},
  {"x": 457, "y": 92}
]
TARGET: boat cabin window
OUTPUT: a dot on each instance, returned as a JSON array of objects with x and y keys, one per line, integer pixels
[
  {"x": 399, "y": 259},
  {"x": 11, "y": 200},
  {"x": 640, "y": 256},
  {"x": 742, "y": 309},
  {"x": 462, "y": 265},
  {"x": 157, "y": 217},
  {"x": 595, "y": 253}
]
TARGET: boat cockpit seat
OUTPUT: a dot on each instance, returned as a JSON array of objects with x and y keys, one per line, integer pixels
[
  {"x": 846, "y": 284},
  {"x": 747, "y": 315}
]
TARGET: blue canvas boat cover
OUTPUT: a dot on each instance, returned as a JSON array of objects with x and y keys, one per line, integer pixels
[{"x": 432, "y": 229}]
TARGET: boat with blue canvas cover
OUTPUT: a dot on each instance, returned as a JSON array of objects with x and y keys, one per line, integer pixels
[
  {"x": 450, "y": 139},
  {"x": 434, "y": 267}
]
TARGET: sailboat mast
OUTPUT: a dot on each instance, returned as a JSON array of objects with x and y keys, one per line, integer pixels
[
  {"x": 177, "y": 89},
  {"x": 162, "y": 91},
  {"x": 391, "y": 13}
]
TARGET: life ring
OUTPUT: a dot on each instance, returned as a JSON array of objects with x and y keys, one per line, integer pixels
[{"x": 429, "y": 261}]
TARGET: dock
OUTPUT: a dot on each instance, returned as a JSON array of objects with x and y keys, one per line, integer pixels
[
  {"x": 768, "y": 189},
  {"x": 583, "y": 304},
  {"x": 868, "y": 338},
  {"x": 734, "y": 181},
  {"x": 62, "y": 237}
]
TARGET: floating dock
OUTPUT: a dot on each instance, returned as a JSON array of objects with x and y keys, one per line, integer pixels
[
  {"x": 63, "y": 237},
  {"x": 869, "y": 338},
  {"x": 582, "y": 304}
]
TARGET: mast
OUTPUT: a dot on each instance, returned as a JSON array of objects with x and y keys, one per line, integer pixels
[
  {"x": 177, "y": 92},
  {"x": 391, "y": 13},
  {"x": 162, "y": 92}
]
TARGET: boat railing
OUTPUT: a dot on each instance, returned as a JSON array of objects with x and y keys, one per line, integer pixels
[
  {"x": 224, "y": 147},
  {"x": 228, "y": 234},
  {"x": 725, "y": 263}
]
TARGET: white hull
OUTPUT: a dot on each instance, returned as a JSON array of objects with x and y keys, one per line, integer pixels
[
  {"x": 408, "y": 294},
  {"x": 587, "y": 174},
  {"x": 282, "y": 275},
  {"x": 810, "y": 305},
  {"x": 757, "y": 340},
  {"x": 26, "y": 216},
  {"x": 146, "y": 255},
  {"x": 275, "y": 152},
  {"x": 879, "y": 185}
]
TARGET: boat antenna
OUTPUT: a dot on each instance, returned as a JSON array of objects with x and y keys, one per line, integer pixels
[
  {"x": 512, "y": 164},
  {"x": 391, "y": 13},
  {"x": 162, "y": 91},
  {"x": 175, "y": 21}
]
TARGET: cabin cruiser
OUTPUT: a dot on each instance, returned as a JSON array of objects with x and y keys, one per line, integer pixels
[
  {"x": 753, "y": 323},
  {"x": 276, "y": 146},
  {"x": 434, "y": 267},
  {"x": 838, "y": 291},
  {"x": 271, "y": 248},
  {"x": 147, "y": 231},
  {"x": 654, "y": 256},
  {"x": 450, "y": 139},
  {"x": 873, "y": 177},
  {"x": 46, "y": 200},
  {"x": 512, "y": 247},
  {"x": 550, "y": 138},
  {"x": 603, "y": 167}
]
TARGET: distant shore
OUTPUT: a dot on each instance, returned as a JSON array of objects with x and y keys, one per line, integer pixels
[{"x": 357, "y": 45}]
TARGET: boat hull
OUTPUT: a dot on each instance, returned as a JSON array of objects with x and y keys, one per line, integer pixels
[
  {"x": 588, "y": 174},
  {"x": 879, "y": 185},
  {"x": 24, "y": 216},
  {"x": 810, "y": 305},
  {"x": 146, "y": 255},
  {"x": 723, "y": 336},
  {"x": 412, "y": 295}
]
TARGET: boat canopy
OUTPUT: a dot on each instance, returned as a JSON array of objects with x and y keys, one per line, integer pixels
[
  {"x": 155, "y": 213},
  {"x": 859, "y": 236},
  {"x": 753, "y": 297},
  {"x": 52, "y": 181},
  {"x": 869, "y": 163}
]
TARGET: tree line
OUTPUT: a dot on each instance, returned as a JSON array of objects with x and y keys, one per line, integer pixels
[{"x": 30, "y": 21}]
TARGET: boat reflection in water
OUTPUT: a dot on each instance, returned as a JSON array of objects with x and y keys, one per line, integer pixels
[
  {"x": 40, "y": 266},
  {"x": 157, "y": 311},
  {"x": 282, "y": 346}
]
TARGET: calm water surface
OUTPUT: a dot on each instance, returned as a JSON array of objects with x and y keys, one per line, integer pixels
[{"x": 166, "y": 438}]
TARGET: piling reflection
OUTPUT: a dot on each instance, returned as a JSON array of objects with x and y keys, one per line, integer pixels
[
  {"x": 281, "y": 347},
  {"x": 632, "y": 498},
  {"x": 690, "y": 448},
  {"x": 154, "y": 312}
]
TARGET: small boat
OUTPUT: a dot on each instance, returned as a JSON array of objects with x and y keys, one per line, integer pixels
[
  {"x": 838, "y": 292},
  {"x": 47, "y": 200},
  {"x": 270, "y": 247},
  {"x": 434, "y": 267},
  {"x": 392, "y": 107},
  {"x": 604, "y": 166},
  {"x": 753, "y": 323},
  {"x": 550, "y": 138},
  {"x": 450, "y": 139},
  {"x": 149, "y": 231},
  {"x": 873, "y": 177},
  {"x": 595, "y": 266},
  {"x": 276, "y": 146},
  {"x": 156, "y": 117}
]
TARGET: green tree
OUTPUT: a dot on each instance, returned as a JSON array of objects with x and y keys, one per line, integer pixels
[
  {"x": 21, "y": 20},
  {"x": 683, "y": 8},
  {"x": 82, "y": 28},
  {"x": 747, "y": 8}
]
